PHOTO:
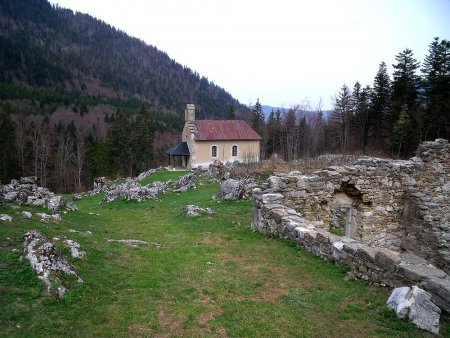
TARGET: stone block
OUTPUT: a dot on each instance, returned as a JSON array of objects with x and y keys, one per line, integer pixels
[
  {"x": 387, "y": 259},
  {"x": 440, "y": 291},
  {"x": 272, "y": 198},
  {"x": 418, "y": 273},
  {"x": 415, "y": 305},
  {"x": 366, "y": 253}
]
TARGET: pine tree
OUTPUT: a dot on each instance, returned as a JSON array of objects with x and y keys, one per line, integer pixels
[
  {"x": 8, "y": 151},
  {"x": 361, "y": 104},
  {"x": 405, "y": 92},
  {"x": 379, "y": 106},
  {"x": 342, "y": 116},
  {"x": 405, "y": 83},
  {"x": 436, "y": 89},
  {"x": 143, "y": 134},
  {"x": 119, "y": 145},
  {"x": 257, "y": 117}
]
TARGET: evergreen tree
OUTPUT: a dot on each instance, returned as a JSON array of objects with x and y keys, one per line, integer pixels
[
  {"x": 405, "y": 83},
  {"x": 361, "y": 104},
  {"x": 405, "y": 92},
  {"x": 143, "y": 134},
  {"x": 342, "y": 116},
  {"x": 8, "y": 151},
  {"x": 257, "y": 117},
  {"x": 119, "y": 145},
  {"x": 436, "y": 89},
  {"x": 379, "y": 106}
]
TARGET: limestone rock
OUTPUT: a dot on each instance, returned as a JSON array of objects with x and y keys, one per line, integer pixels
[
  {"x": 26, "y": 215},
  {"x": 5, "y": 218},
  {"x": 415, "y": 305},
  {"x": 47, "y": 261},
  {"x": 194, "y": 211},
  {"x": 43, "y": 215},
  {"x": 76, "y": 197},
  {"x": 57, "y": 203},
  {"x": 231, "y": 189},
  {"x": 272, "y": 198},
  {"x": 216, "y": 169},
  {"x": 74, "y": 248}
]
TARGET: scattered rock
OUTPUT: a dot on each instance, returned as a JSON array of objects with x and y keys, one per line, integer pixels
[
  {"x": 57, "y": 203},
  {"x": 43, "y": 215},
  {"x": 81, "y": 232},
  {"x": 47, "y": 262},
  {"x": 415, "y": 305},
  {"x": 231, "y": 189},
  {"x": 26, "y": 191},
  {"x": 74, "y": 248},
  {"x": 71, "y": 206},
  {"x": 215, "y": 169},
  {"x": 56, "y": 217},
  {"x": 26, "y": 215},
  {"x": 134, "y": 242},
  {"x": 187, "y": 182},
  {"x": 194, "y": 211},
  {"x": 5, "y": 218},
  {"x": 76, "y": 197}
]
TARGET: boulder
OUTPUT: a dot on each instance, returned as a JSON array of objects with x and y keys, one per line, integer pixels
[
  {"x": 56, "y": 204},
  {"x": 26, "y": 215},
  {"x": 43, "y": 215},
  {"x": 186, "y": 182},
  {"x": 5, "y": 218},
  {"x": 216, "y": 169},
  {"x": 231, "y": 189},
  {"x": 415, "y": 305}
]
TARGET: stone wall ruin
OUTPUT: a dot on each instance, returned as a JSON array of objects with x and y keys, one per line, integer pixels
[{"x": 395, "y": 215}]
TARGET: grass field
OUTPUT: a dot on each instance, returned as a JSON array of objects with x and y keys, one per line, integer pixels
[{"x": 204, "y": 276}]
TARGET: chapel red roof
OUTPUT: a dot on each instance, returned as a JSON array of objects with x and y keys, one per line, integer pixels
[{"x": 215, "y": 130}]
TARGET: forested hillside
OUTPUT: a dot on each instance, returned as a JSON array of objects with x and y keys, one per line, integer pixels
[
  {"x": 44, "y": 46},
  {"x": 73, "y": 90}
]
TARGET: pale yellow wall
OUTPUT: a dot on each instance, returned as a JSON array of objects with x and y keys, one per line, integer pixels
[{"x": 201, "y": 152}]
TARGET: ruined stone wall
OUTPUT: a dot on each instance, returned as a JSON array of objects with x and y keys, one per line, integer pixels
[{"x": 399, "y": 207}]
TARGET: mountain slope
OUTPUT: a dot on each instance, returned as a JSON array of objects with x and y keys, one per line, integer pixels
[{"x": 51, "y": 47}]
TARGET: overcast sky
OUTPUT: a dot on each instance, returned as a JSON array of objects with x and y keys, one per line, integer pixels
[{"x": 281, "y": 51}]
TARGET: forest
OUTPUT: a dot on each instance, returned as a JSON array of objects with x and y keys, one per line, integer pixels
[{"x": 388, "y": 118}]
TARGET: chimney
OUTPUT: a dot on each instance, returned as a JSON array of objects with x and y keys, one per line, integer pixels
[{"x": 189, "y": 113}]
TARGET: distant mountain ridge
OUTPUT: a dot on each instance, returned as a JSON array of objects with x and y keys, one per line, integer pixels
[
  {"x": 268, "y": 109},
  {"x": 44, "y": 46}
]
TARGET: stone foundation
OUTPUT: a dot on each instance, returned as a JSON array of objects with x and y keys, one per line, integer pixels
[{"x": 395, "y": 215}]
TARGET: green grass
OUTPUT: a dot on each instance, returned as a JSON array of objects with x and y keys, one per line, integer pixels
[
  {"x": 211, "y": 277},
  {"x": 163, "y": 175}
]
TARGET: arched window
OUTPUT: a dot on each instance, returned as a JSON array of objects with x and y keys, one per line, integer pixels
[
  {"x": 234, "y": 151},
  {"x": 214, "y": 151}
]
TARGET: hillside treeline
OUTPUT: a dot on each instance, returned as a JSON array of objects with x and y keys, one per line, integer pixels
[
  {"x": 389, "y": 118},
  {"x": 45, "y": 46},
  {"x": 66, "y": 158}
]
